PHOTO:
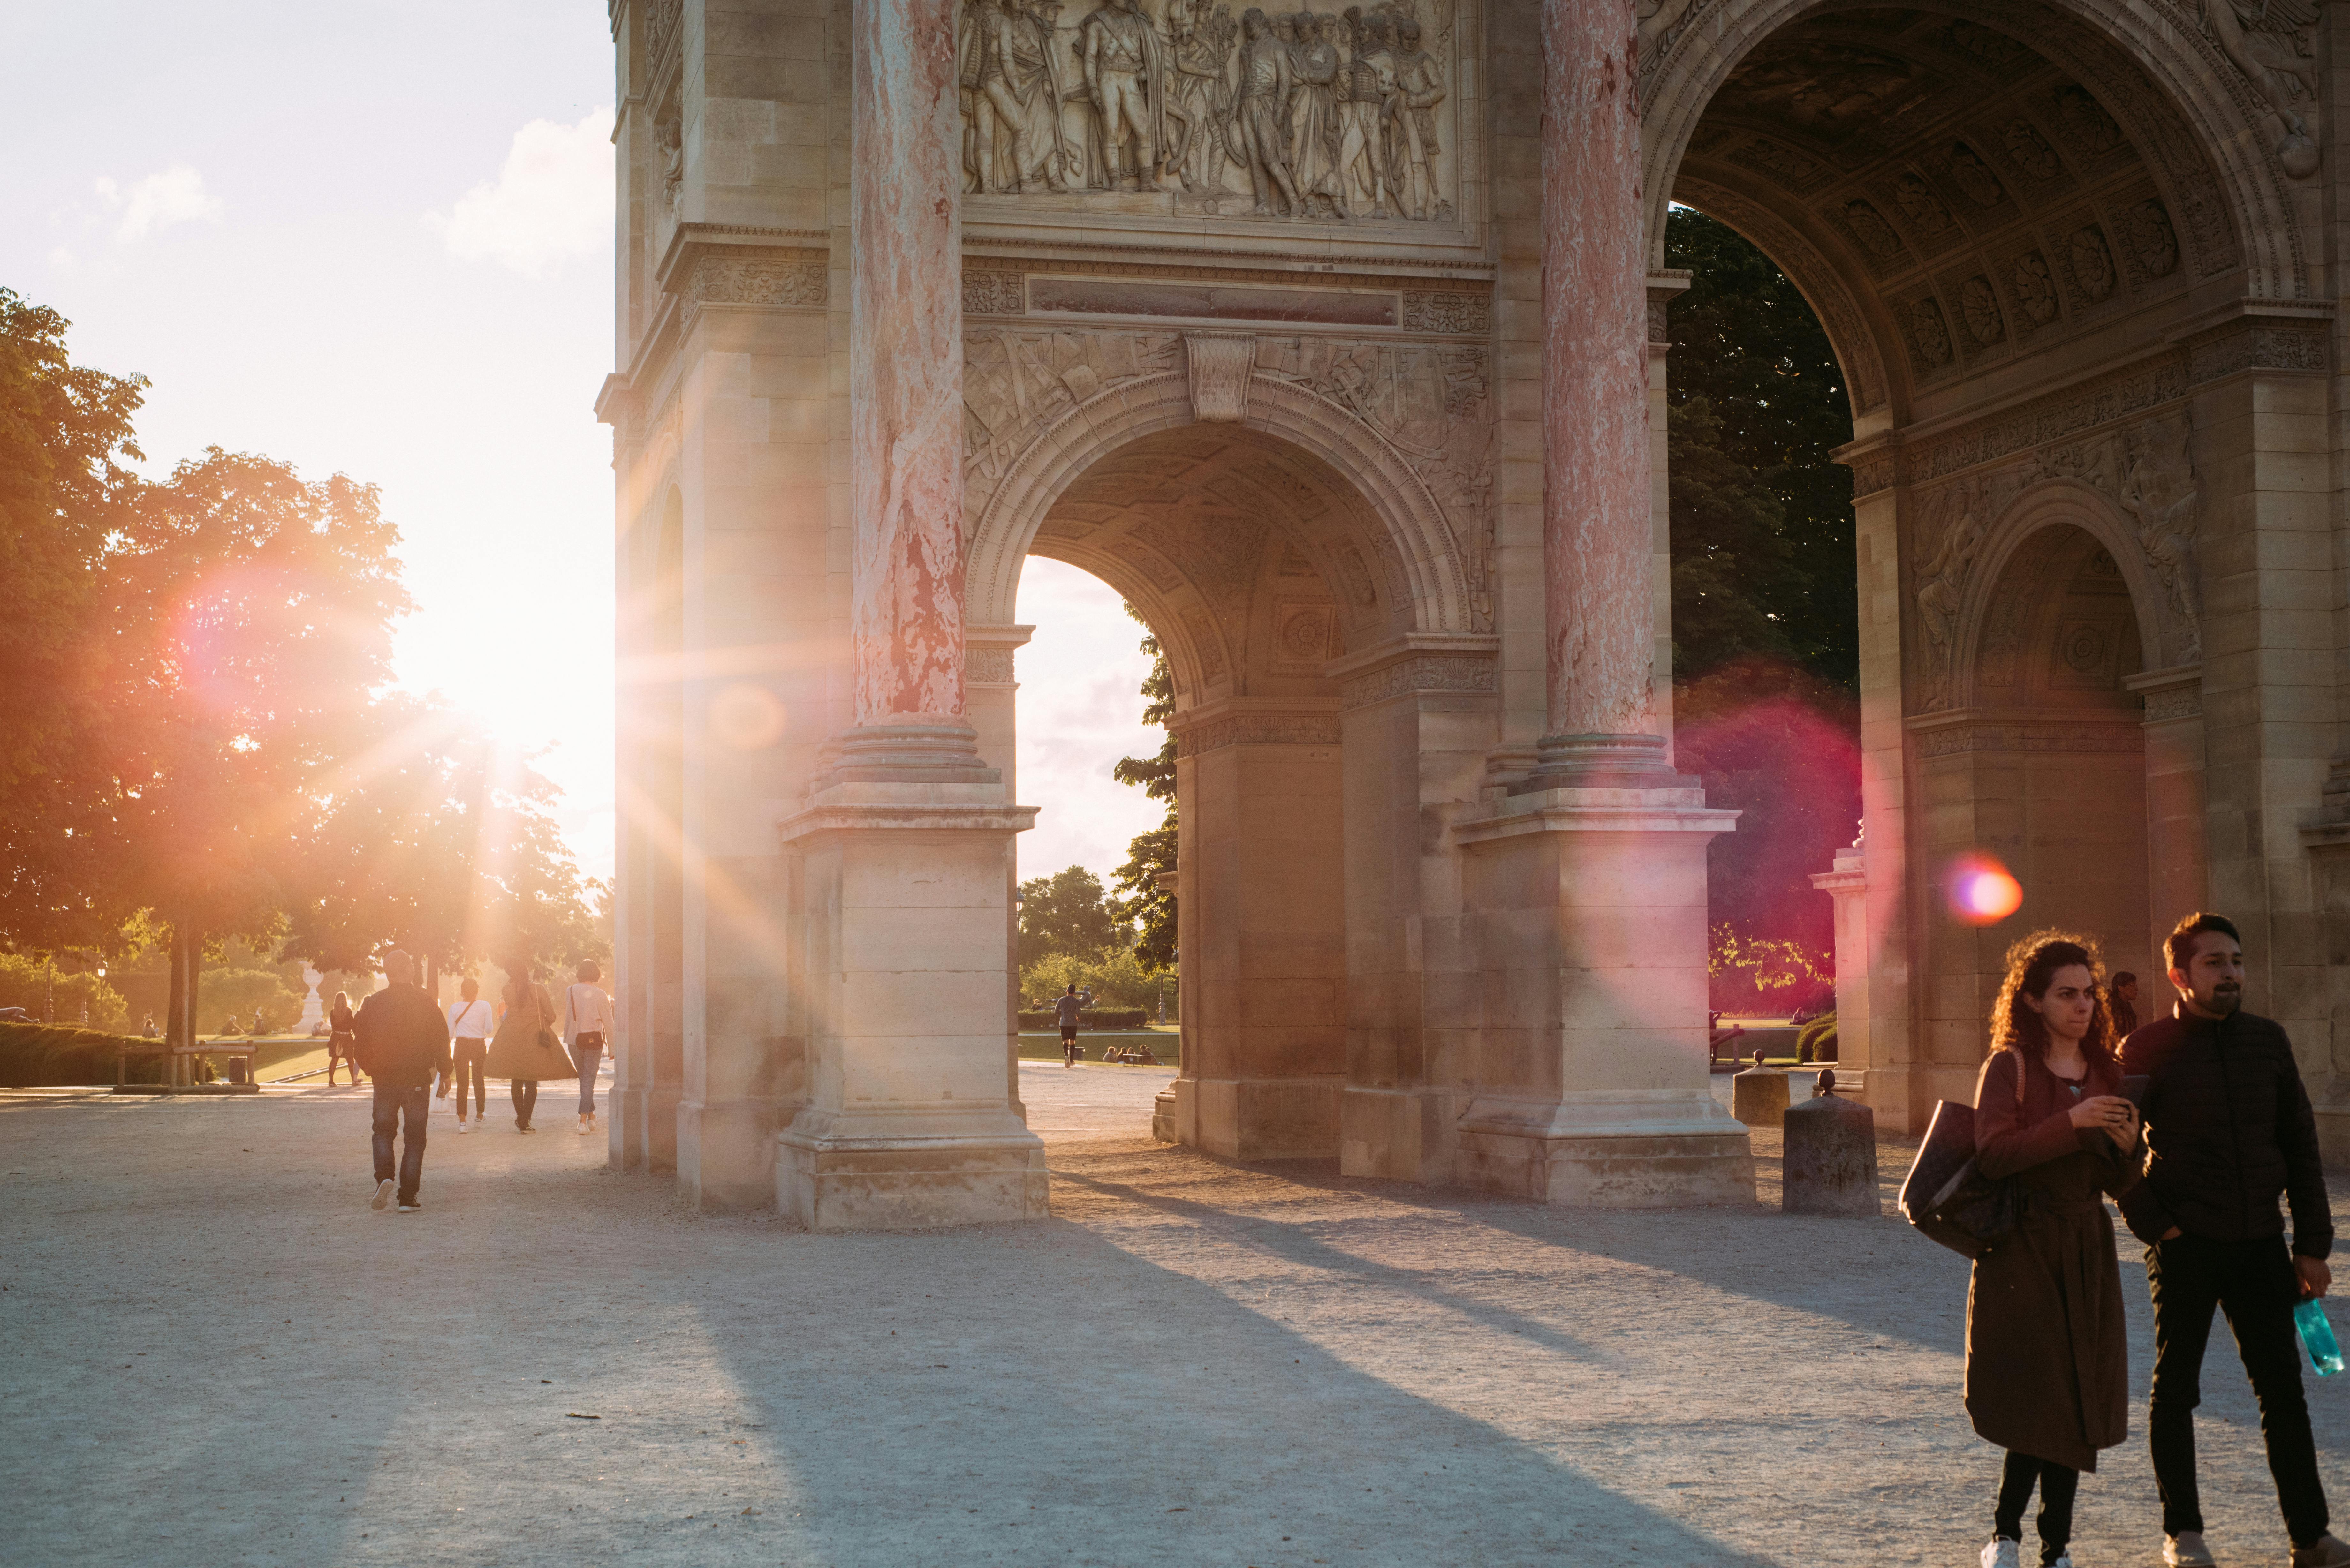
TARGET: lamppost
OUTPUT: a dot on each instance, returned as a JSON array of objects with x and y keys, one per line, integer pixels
[{"x": 49, "y": 988}]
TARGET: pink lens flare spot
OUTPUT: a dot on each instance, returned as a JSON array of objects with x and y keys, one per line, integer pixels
[{"x": 1983, "y": 892}]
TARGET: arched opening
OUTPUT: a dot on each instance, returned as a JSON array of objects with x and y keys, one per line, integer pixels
[{"x": 1252, "y": 562}]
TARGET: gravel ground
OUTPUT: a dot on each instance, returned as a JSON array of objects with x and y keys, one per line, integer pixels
[{"x": 212, "y": 1352}]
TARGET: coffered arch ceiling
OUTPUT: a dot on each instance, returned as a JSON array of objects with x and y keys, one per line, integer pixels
[
  {"x": 1254, "y": 562},
  {"x": 1954, "y": 197}
]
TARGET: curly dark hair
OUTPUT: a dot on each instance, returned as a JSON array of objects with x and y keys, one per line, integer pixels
[{"x": 2032, "y": 965}]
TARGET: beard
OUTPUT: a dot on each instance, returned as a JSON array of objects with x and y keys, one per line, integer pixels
[{"x": 2225, "y": 999}]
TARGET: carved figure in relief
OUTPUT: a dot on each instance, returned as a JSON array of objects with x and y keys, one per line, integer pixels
[
  {"x": 2270, "y": 41},
  {"x": 1265, "y": 90},
  {"x": 1362, "y": 174},
  {"x": 1000, "y": 109},
  {"x": 1200, "y": 97},
  {"x": 2160, "y": 491},
  {"x": 2035, "y": 287},
  {"x": 1420, "y": 89},
  {"x": 1314, "y": 65},
  {"x": 1942, "y": 582},
  {"x": 670, "y": 135},
  {"x": 1126, "y": 73},
  {"x": 967, "y": 33}
]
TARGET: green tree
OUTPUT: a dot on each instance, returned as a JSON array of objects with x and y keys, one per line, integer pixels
[
  {"x": 1139, "y": 899},
  {"x": 1747, "y": 344},
  {"x": 1066, "y": 914}
]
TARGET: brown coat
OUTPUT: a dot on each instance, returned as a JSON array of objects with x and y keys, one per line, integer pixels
[
  {"x": 2047, "y": 1352},
  {"x": 515, "y": 1051}
]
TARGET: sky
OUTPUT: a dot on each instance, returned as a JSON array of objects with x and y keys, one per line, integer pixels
[{"x": 375, "y": 239}]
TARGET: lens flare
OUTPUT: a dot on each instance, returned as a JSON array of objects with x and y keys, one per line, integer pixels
[
  {"x": 746, "y": 717},
  {"x": 1982, "y": 890}
]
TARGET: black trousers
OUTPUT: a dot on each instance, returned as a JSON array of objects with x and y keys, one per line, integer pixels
[
  {"x": 2254, "y": 1283},
  {"x": 525, "y": 1093},
  {"x": 391, "y": 1104},
  {"x": 2057, "y": 1486}
]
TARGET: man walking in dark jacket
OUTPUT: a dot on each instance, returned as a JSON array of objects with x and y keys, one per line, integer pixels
[
  {"x": 2228, "y": 1128},
  {"x": 400, "y": 1040}
]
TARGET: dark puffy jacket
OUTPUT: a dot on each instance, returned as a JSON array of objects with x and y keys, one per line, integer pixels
[
  {"x": 401, "y": 1038},
  {"x": 2228, "y": 1128}
]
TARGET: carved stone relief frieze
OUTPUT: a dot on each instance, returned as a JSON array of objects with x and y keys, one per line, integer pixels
[
  {"x": 1304, "y": 115},
  {"x": 1017, "y": 381},
  {"x": 2273, "y": 45}
]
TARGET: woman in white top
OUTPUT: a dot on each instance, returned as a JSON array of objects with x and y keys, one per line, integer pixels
[
  {"x": 470, "y": 1028},
  {"x": 586, "y": 1024}
]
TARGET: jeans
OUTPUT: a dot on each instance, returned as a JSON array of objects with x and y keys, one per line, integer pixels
[
  {"x": 470, "y": 1056},
  {"x": 390, "y": 1104},
  {"x": 2254, "y": 1283},
  {"x": 2057, "y": 1486},
  {"x": 591, "y": 1059},
  {"x": 524, "y": 1094}
]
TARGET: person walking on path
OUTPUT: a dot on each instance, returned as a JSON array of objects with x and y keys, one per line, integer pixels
[
  {"x": 401, "y": 1038},
  {"x": 469, "y": 1030},
  {"x": 586, "y": 1024},
  {"x": 2124, "y": 1004},
  {"x": 2047, "y": 1360},
  {"x": 338, "y": 1040},
  {"x": 1067, "y": 1007},
  {"x": 524, "y": 1051},
  {"x": 2229, "y": 1128}
]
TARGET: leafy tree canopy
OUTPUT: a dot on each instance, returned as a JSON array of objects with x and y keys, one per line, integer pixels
[
  {"x": 1139, "y": 899},
  {"x": 1065, "y": 913}
]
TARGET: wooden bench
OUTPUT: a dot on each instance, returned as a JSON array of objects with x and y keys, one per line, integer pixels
[{"x": 231, "y": 1049}]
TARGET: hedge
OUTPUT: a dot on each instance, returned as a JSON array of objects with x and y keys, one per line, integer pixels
[
  {"x": 54, "y": 1056},
  {"x": 1817, "y": 1042},
  {"x": 1092, "y": 1018}
]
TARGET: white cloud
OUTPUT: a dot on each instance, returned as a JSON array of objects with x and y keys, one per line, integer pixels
[
  {"x": 149, "y": 206},
  {"x": 553, "y": 199}
]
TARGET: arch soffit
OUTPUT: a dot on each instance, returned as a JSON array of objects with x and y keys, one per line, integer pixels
[
  {"x": 1419, "y": 541},
  {"x": 1712, "y": 37},
  {"x": 2058, "y": 504},
  {"x": 1186, "y": 660}
]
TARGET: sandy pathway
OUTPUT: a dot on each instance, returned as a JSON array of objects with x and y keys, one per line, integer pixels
[{"x": 210, "y": 1351}]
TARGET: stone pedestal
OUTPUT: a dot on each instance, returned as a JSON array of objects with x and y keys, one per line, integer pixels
[
  {"x": 1829, "y": 1157},
  {"x": 1758, "y": 1096},
  {"x": 903, "y": 969},
  {"x": 1588, "y": 1074},
  {"x": 1847, "y": 883}
]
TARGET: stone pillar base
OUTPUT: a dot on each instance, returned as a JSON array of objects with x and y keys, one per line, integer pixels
[
  {"x": 642, "y": 1125},
  {"x": 1397, "y": 1135},
  {"x": 1162, "y": 1115},
  {"x": 1259, "y": 1118},
  {"x": 1583, "y": 892},
  {"x": 725, "y": 1153},
  {"x": 905, "y": 931},
  {"x": 1607, "y": 1151},
  {"x": 842, "y": 1179}
]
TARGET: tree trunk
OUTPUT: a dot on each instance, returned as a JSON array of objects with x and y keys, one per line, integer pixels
[{"x": 195, "y": 962}]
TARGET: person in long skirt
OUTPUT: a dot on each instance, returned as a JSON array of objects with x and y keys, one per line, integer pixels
[
  {"x": 524, "y": 1051},
  {"x": 2047, "y": 1356}
]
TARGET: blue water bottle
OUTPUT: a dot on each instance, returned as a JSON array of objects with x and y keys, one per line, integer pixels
[{"x": 2317, "y": 1337}]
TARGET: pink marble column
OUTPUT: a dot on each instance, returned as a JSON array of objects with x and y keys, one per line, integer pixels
[
  {"x": 1596, "y": 557},
  {"x": 905, "y": 398}
]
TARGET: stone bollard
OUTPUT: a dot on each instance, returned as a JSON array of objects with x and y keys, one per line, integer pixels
[
  {"x": 1758, "y": 1096},
  {"x": 1830, "y": 1159}
]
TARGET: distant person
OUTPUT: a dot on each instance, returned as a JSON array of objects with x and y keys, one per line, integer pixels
[
  {"x": 2230, "y": 1128},
  {"x": 258, "y": 1027},
  {"x": 1068, "y": 1009},
  {"x": 147, "y": 1027},
  {"x": 470, "y": 1028},
  {"x": 524, "y": 1051},
  {"x": 401, "y": 1038},
  {"x": 2044, "y": 1308},
  {"x": 586, "y": 1024},
  {"x": 2124, "y": 1005},
  {"x": 339, "y": 1039}
]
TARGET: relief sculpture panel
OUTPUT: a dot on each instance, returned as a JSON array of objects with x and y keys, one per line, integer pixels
[{"x": 1330, "y": 116}]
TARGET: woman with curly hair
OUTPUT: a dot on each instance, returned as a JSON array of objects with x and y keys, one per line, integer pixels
[{"x": 2047, "y": 1363}]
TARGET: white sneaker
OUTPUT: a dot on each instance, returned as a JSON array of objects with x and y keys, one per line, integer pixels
[
  {"x": 2185, "y": 1550},
  {"x": 2064, "y": 1559},
  {"x": 464, "y": 1126},
  {"x": 2003, "y": 1554},
  {"x": 382, "y": 1199},
  {"x": 583, "y": 1127}
]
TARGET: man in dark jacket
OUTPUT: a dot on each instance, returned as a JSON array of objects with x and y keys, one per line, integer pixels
[
  {"x": 2227, "y": 1128},
  {"x": 400, "y": 1040}
]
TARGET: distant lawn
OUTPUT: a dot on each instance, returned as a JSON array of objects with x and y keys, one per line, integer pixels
[{"x": 1045, "y": 1044}]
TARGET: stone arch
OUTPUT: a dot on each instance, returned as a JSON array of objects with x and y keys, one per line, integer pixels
[
  {"x": 1418, "y": 570},
  {"x": 2052, "y": 504},
  {"x": 2204, "y": 118}
]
